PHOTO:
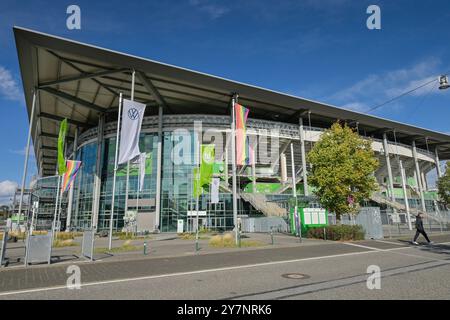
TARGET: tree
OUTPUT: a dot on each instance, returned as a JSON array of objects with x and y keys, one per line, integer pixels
[
  {"x": 443, "y": 184},
  {"x": 342, "y": 170}
]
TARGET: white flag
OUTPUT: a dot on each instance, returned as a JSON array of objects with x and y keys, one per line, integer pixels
[
  {"x": 215, "y": 190},
  {"x": 142, "y": 159},
  {"x": 132, "y": 115}
]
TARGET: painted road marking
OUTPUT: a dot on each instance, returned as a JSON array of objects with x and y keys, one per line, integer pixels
[
  {"x": 391, "y": 242},
  {"x": 365, "y": 247}
]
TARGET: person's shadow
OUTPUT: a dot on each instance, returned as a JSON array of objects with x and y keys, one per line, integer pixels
[{"x": 438, "y": 248}]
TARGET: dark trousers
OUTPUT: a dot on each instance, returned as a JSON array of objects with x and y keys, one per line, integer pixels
[{"x": 421, "y": 231}]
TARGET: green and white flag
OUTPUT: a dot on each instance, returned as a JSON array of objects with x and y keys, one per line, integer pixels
[
  {"x": 61, "y": 143},
  {"x": 207, "y": 164},
  {"x": 203, "y": 177}
]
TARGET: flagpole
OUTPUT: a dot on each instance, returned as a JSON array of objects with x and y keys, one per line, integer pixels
[
  {"x": 197, "y": 190},
  {"x": 233, "y": 165},
  {"x": 27, "y": 153},
  {"x": 115, "y": 173},
  {"x": 127, "y": 181},
  {"x": 61, "y": 194},
  {"x": 133, "y": 77},
  {"x": 56, "y": 205},
  {"x": 138, "y": 187}
]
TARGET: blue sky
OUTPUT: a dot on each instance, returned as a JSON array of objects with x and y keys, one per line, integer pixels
[{"x": 318, "y": 49}]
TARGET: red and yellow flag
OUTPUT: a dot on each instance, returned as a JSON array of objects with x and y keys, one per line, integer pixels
[{"x": 241, "y": 114}]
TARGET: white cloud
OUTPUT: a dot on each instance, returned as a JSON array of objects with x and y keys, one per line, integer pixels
[
  {"x": 7, "y": 188},
  {"x": 356, "y": 106},
  {"x": 8, "y": 86},
  {"x": 213, "y": 10},
  {"x": 23, "y": 151},
  {"x": 378, "y": 88}
]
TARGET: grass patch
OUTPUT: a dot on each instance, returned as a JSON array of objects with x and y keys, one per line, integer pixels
[
  {"x": 67, "y": 235},
  {"x": 227, "y": 241},
  {"x": 130, "y": 236},
  {"x": 191, "y": 236},
  {"x": 18, "y": 235},
  {"x": 126, "y": 246},
  {"x": 251, "y": 243},
  {"x": 64, "y": 243}
]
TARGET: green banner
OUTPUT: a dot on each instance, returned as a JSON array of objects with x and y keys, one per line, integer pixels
[
  {"x": 134, "y": 168},
  {"x": 207, "y": 164},
  {"x": 206, "y": 169},
  {"x": 61, "y": 143}
]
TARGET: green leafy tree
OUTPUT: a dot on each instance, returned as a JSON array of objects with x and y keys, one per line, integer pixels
[
  {"x": 342, "y": 170},
  {"x": 443, "y": 184}
]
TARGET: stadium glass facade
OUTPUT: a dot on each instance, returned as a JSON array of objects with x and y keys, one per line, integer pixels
[
  {"x": 176, "y": 187},
  {"x": 176, "y": 198}
]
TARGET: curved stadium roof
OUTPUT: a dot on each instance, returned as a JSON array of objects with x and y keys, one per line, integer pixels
[{"x": 80, "y": 81}]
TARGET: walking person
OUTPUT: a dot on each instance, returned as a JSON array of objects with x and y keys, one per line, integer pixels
[{"x": 420, "y": 230}]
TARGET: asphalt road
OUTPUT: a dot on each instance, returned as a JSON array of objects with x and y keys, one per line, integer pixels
[{"x": 325, "y": 271}]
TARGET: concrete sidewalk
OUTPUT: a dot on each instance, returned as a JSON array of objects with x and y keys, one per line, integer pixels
[{"x": 158, "y": 245}]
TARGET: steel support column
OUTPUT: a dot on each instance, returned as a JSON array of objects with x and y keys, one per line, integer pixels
[
  {"x": 405, "y": 196},
  {"x": 389, "y": 168},
  {"x": 303, "y": 154},
  {"x": 437, "y": 163},
  {"x": 253, "y": 169},
  {"x": 418, "y": 176}
]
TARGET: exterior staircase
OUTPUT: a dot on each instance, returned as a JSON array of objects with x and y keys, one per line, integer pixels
[
  {"x": 288, "y": 184},
  {"x": 378, "y": 198},
  {"x": 259, "y": 202}
]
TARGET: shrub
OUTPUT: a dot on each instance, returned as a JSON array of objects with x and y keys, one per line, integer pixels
[
  {"x": 204, "y": 230},
  {"x": 337, "y": 233},
  {"x": 125, "y": 236},
  {"x": 65, "y": 236},
  {"x": 216, "y": 241},
  {"x": 18, "y": 235},
  {"x": 227, "y": 241}
]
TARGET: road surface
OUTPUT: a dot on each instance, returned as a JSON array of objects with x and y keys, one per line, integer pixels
[{"x": 330, "y": 270}]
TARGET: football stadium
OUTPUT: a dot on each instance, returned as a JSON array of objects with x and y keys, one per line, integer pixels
[{"x": 185, "y": 113}]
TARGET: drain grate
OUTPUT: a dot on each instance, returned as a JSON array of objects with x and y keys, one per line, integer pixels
[{"x": 297, "y": 276}]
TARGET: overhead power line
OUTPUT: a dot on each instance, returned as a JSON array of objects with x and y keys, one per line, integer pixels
[{"x": 401, "y": 95}]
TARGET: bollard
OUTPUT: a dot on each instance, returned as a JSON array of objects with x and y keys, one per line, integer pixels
[
  {"x": 145, "y": 247},
  {"x": 196, "y": 245},
  {"x": 271, "y": 235}
]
